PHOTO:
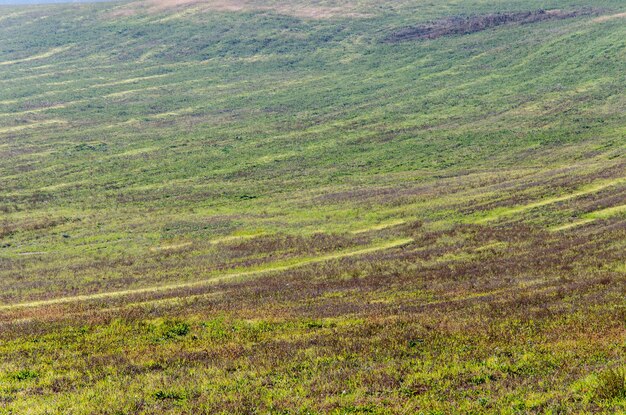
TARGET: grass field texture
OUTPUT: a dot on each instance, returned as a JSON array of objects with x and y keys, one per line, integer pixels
[{"x": 307, "y": 207}]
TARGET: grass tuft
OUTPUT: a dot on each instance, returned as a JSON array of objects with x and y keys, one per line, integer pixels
[
  {"x": 172, "y": 329},
  {"x": 611, "y": 384},
  {"x": 162, "y": 395},
  {"x": 25, "y": 374}
]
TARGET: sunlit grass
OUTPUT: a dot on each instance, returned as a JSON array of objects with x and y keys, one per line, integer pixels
[{"x": 277, "y": 210}]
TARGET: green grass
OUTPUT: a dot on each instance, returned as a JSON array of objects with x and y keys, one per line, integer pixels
[{"x": 272, "y": 208}]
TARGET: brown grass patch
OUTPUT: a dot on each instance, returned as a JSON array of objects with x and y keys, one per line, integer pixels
[
  {"x": 607, "y": 18},
  {"x": 297, "y": 9}
]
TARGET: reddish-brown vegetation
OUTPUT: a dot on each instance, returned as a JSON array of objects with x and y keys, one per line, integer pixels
[{"x": 466, "y": 25}]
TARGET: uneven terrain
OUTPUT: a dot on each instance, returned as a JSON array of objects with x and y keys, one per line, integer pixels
[{"x": 264, "y": 206}]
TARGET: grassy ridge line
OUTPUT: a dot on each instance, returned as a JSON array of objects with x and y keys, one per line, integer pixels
[
  {"x": 539, "y": 285},
  {"x": 592, "y": 216},
  {"x": 499, "y": 213},
  {"x": 44, "y": 55},
  {"x": 390, "y": 244}
]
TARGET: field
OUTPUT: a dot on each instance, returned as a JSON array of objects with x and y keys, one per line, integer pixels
[{"x": 307, "y": 207}]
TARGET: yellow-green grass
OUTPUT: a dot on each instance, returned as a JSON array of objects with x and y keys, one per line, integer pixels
[
  {"x": 592, "y": 216},
  {"x": 272, "y": 267},
  {"x": 282, "y": 209}
]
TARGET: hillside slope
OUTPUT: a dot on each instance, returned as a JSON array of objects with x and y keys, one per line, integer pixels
[{"x": 344, "y": 206}]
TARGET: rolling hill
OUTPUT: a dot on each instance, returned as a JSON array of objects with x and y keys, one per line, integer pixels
[{"x": 267, "y": 206}]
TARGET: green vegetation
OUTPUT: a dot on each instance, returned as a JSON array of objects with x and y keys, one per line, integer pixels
[
  {"x": 304, "y": 207},
  {"x": 612, "y": 384}
]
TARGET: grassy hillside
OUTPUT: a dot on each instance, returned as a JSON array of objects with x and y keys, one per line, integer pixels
[{"x": 313, "y": 207}]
